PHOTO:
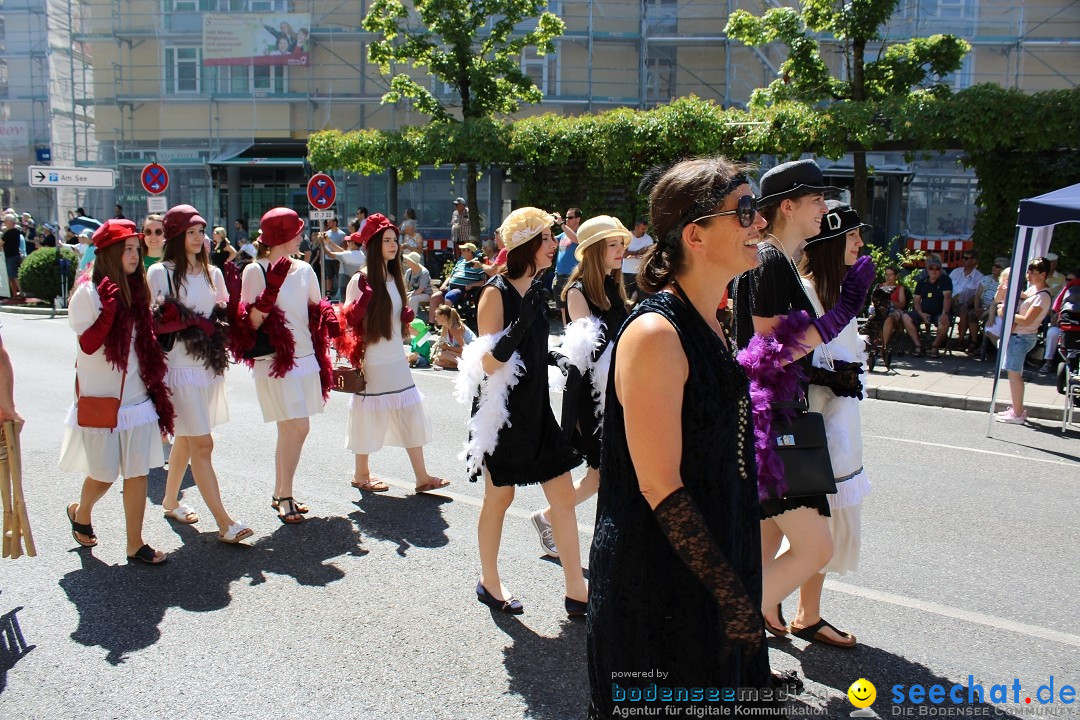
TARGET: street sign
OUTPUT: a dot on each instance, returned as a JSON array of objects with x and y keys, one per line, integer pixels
[
  {"x": 47, "y": 176},
  {"x": 321, "y": 191},
  {"x": 157, "y": 204},
  {"x": 155, "y": 179},
  {"x": 320, "y": 215}
]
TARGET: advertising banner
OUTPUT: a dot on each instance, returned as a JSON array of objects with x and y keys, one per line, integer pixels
[
  {"x": 14, "y": 135},
  {"x": 256, "y": 39}
]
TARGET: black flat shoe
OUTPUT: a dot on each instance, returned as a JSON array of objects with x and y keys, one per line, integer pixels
[
  {"x": 512, "y": 606},
  {"x": 148, "y": 555},
  {"x": 576, "y": 608},
  {"x": 782, "y": 630}
]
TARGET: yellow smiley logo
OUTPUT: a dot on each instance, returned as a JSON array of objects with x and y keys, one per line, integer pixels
[{"x": 862, "y": 693}]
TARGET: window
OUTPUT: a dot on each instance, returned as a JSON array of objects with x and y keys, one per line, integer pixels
[
  {"x": 182, "y": 69},
  {"x": 226, "y": 5},
  {"x": 543, "y": 70},
  {"x": 268, "y": 79},
  {"x": 3, "y": 78},
  {"x": 661, "y": 16},
  {"x": 660, "y": 75}
]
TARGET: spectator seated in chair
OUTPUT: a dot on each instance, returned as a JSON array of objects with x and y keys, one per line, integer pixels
[
  {"x": 469, "y": 272},
  {"x": 932, "y": 307},
  {"x": 887, "y": 305},
  {"x": 967, "y": 287}
]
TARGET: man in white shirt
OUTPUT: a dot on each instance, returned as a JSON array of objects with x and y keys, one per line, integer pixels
[
  {"x": 966, "y": 286},
  {"x": 639, "y": 245}
]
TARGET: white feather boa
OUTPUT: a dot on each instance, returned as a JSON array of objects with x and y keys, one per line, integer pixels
[
  {"x": 492, "y": 414},
  {"x": 581, "y": 340}
]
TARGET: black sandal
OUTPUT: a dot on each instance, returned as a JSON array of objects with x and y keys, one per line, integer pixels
[
  {"x": 813, "y": 634},
  {"x": 147, "y": 555},
  {"x": 293, "y": 516},
  {"x": 78, "y": 528},
  {"x": 300, "y": 507},
  {"x": 782, "y": 630},
  {"x": 919, "y": 352}
]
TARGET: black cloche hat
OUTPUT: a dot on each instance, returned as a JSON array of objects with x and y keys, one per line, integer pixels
[{"x": 840, "y": 220}]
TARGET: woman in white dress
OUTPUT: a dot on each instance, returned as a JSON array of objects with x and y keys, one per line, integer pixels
[
  {"x": 190, "y": 299},
  {"x": 390, "y": 411},
  {"x": 280, "y": 331},
  {"x": 835, "y": 391},
  {"x": 118, "y": 357}
]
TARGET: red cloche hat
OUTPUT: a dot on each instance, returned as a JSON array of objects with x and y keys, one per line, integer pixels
[
  {"x": 279, "y": 226},
  {"x": 374, "y": 225},
  {"x": 114, "y": 231},
  {"x": 178, "y": 219}
]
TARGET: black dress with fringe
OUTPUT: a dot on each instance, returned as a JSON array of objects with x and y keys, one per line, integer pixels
[
  {"x": 648, "y": 612},
  {"x": 531, "y": 448}
]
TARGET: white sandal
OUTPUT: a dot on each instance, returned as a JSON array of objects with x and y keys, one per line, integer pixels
[
  {"x": 182, "y": 514},
  {"x": 237, "y": 531}
]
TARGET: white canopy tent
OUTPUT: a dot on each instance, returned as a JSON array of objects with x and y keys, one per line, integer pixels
[{"x": 1034, "y": 229}]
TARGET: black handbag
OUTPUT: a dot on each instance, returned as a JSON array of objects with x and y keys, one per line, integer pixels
[
  {"x": 802, "y": 446},
  {"x": 167, "y": 340},
  {"x": 262, "y": 346}
]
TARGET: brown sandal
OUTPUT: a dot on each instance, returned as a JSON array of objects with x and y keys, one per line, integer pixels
[
  {"x": 371, "y": 485},
  {"x": 435, "y": 483}
]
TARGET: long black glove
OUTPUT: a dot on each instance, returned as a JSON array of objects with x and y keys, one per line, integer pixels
[
  {"x": 571, "y": 393},
  {"x": 842, "y": 380},
  {"x": 685, "y": 529},
  {"x": 533, "y": 303}
]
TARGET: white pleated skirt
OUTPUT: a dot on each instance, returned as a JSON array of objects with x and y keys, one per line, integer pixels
[
  {"x": 390, "y": 411},
  {"x": 297, "y": 395},
  {"x": 104, "y": 455},
  {"x": 199, "y": 398}
]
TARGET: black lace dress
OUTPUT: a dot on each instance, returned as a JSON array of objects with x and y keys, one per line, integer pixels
[
  {"x": 531, "y": 448},
  {"x": 586, "y": 439},
  {"x": 647, "y": 610},
  {"x": 773, "y": 288}
]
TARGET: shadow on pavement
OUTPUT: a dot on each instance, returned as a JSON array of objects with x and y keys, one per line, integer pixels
[
  {"x": 549, "y": 674},
  {"x": 12, "y": 645},
  {"x": 838, "y": 669},
  {"x": 411, "y": 521},
  {"x": 121, "y": 606},
  {"x": 155, "y": 484}
]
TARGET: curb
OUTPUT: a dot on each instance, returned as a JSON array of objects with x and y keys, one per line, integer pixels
[
  {"x": 23, "y": 310},
  {"x": 960, "y": 402}
]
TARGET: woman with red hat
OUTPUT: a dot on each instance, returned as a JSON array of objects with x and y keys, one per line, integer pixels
[
  {"x": 390, "y": 410},
  {"x": 118, "y": 358},
  {"x": 190, "y": 298},
  {"x": 280, "y": 331}
]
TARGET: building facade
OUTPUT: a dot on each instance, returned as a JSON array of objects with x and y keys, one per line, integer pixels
[{"x": 209, "y": 89}]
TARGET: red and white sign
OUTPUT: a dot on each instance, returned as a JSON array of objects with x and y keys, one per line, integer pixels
[
  {"x": 155, "y": 179},
  {"x": 321, "y": 191}
]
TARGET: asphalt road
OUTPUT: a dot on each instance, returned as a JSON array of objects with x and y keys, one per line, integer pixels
[{"x": 366, "y": 610}]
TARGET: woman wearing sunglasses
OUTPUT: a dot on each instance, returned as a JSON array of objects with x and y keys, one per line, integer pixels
[
  {"x": 772, "y": 304},
  {"x": 153, "y": 240}
]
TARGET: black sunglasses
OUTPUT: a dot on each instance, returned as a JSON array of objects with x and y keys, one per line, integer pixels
[
  {"x": 746, "y": 211},
  {"x": 154, "y": 231}
]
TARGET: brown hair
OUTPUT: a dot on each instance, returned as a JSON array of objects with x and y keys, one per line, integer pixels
[
  {"x": 143, "y": 247},
  {"x": 823, "y": 262},
  {"x": 522, "y": 260},
  {"x": 109, "y": 263},
  {"x": 448, "y": 311},
  {"x": 378, "y": 322},
  {"x": 685, "y": 191},
  {"x": 176, "y": 253},
  {"x": 591, "y": 272}
]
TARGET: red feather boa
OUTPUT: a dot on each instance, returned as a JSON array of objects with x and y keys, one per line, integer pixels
[
  {"x": 152, "y": 366},
  {"x": 281, "y": 338},
  {"x": 322, "y": 324}
]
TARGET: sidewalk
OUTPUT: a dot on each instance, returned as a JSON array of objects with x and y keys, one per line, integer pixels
[{"x": 960, "y": 381}]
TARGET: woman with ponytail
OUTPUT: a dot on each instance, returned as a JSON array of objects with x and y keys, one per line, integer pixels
[
  {"x": 390, "y": 409},
  {"x": 190, "y": 299},
  {"x": 596, "y": 303},
  {"x": 279, "y": 329},
  {"x": 118, "y": 357},
  {"x": 514, "y": 438}
]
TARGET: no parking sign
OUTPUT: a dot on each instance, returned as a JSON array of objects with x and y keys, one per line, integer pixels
[
  {"x": 155, "y": 179},
  {"x": 321, "y": 191}
]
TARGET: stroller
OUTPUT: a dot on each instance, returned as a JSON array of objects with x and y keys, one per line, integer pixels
[
  {"x": 1068, "y": 379},
  {"x": 873, "y": 328}
]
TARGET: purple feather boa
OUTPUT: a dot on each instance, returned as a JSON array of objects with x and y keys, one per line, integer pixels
[{"x": 774, "y": 377}]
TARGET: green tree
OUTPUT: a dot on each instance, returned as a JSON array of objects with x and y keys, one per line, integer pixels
[
  {"x": 471, "y": 46},
  {"x": 899, "y": 69}
]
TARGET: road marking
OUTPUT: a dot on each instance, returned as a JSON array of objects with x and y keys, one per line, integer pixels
[
  {"x": 974, "y": 450},
  {"x": 879, "y": 596},
  {"x": 955, "y": 613}
]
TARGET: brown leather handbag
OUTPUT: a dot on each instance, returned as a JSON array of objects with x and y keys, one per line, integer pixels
[
  {"x": 348, "y": 379},
  {"x": 97, "y": 412}
]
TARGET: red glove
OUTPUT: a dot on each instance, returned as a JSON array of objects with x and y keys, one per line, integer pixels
[
  {"x": 329, "y": 320},
  {"x": 168, "y": 319},
  {"x": 275, "y": 276},
  {"x": 94, "y": 336},
  {"x": 407, "y": 315},
  {"x": 205, "y": 324}
]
